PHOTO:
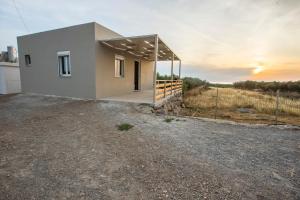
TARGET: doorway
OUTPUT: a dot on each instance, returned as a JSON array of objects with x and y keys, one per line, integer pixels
[{"x": 137, "y": 74}]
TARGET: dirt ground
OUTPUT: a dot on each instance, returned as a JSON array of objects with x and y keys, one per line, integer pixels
[{"x": 55, "y": 148}]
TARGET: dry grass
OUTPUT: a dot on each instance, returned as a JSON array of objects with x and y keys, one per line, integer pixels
[{"x": 243, "y": 105}]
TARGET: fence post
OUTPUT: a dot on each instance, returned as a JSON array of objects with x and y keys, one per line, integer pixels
[
  {"x": 164, "y": 89},
  {"x": 277, "y": 107},
  {"x": 216, "y": 108}
]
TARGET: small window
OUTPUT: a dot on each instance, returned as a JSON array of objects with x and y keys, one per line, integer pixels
[
  {"x": 64, "y": 65},
  {"x": 119, "y": 66},
  {"x": 27, "y": 60}
]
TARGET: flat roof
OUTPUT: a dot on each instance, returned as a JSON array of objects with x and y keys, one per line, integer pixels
[{"x": 142, "y": 47}]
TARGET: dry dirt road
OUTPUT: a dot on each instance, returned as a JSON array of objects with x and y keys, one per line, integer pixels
[{"x": 55, "y": 148}]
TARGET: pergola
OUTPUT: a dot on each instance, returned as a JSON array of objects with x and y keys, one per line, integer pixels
[{"x": 146, "y": 47}]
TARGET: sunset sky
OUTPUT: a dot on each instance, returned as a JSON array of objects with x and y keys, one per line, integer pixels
[{"x": 217, "y": 40}]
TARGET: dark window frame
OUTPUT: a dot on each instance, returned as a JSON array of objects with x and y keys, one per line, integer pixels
[
  {"x": 27, "y": 59},
  {"x": 119, "y": 66}
]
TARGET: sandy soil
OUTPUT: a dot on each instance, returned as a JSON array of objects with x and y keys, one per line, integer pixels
[{"x": 55, "y": 148}]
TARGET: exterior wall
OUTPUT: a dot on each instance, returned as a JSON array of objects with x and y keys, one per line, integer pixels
[
  {"x": 9, "y": 78},
  {"x": 92, "y": 64},
  {"x": 147, "y": 75},
  {"x": 42, "y": 75},
  {"x": 106, "y": 84}
]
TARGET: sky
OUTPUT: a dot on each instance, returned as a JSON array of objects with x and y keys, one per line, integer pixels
[{"x": 217, "y": 40}]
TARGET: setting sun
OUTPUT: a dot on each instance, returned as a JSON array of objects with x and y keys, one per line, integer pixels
[{"x": 258, "y": 69}]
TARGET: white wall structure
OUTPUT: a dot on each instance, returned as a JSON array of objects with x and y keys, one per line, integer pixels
[{"x": 9, "y": 78}]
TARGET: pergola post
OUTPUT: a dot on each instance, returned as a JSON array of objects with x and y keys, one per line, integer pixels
[
  {"x": 179, "y": 69},
  {"x": 155, "y": 66},
  {"x": 172, "y": 77},
  {"x": 172, "y": 64}
]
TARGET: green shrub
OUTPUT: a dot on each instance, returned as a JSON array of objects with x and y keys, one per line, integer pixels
[
  {"x": 124, "y": 127},
  {"x": 289, "y": 86},
  {"x": 190, "y": 83},
  {"x": 168, "y": 119}
]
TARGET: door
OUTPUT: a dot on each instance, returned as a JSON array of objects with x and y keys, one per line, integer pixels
[{"x": 136, "y": 75}]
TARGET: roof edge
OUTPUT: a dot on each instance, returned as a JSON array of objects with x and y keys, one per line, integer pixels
[{"x": 55, "y": 29}]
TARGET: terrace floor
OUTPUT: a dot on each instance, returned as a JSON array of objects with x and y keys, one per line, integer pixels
[{"x": 143, "y": 96}]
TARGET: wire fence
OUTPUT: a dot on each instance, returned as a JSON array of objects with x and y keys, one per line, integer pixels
[{"x": 243, "y": 105}]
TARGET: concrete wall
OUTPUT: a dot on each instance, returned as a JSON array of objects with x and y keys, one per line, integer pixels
[
  {"x": 92, "y": 64},
  {"x": 42, "y": 75},
  {"x": 9, "y": 78},
  {"x": 147, "y": 75},
  {"x": 106, "y": 83}
]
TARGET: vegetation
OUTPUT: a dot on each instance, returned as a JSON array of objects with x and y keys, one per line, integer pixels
[
  {"x": 289, "y": 86},
  {"x": 242, "y": 105},
  {"x": 188, "y": 82},
  {"x": 191, "y": 83},
  {"x": 166, "y": 77},
  {"x": 124, "y": 127},
  {"x": 168, "y": 119},
  {"x": 250, "y": 101},
  {"x": 221, "y": 85}
]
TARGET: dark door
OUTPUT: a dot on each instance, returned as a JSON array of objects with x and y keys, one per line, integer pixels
[{"x": 136, "y": 75}]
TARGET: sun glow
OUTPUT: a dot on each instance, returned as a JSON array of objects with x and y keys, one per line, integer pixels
[{"x": 258, "y": 69}]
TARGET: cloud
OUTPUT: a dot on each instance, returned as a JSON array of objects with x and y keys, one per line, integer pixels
[
  {"x": 210, "y": 36},
  {"x": 217, "y": 74},
  {"x": 278, "y": 75}
]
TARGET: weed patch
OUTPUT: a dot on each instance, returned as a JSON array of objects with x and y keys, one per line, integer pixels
[
  {"x": 169, "y": 119},
  {"x": 124, "y": 127}
]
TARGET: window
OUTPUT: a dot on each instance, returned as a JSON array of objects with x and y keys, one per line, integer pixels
[
  {"x": 27, "y": 60},
  {"x": 119, "y": 66},
  {"x": 64, "y": 65}
]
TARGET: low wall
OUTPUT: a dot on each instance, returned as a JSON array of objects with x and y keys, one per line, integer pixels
[
  {"x": 171, "y": 106},
  {"x": 9, "y": 78}
]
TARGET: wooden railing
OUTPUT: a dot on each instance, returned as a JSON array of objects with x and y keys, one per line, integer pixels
[{"x": 166, "y": 88}]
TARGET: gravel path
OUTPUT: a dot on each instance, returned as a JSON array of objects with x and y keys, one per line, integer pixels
[{"x": 56, "y": 148}]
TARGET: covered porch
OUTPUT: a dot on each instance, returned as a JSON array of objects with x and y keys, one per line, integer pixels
[
  {"x": 164, "y": 90},
  {"x": 148, "y": 48}
]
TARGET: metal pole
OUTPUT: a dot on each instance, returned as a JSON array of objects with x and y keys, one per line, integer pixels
[
  {"x": 172, "y": 64},
  {"x": 179, "y": 69},
  {"x": 216, "y": 109},
  {"x": 165, "y": 88},
  {"x": 179, "y": 75},
  {"x": 155, "y": 66},
  {"x": 277, "y": 107}
]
